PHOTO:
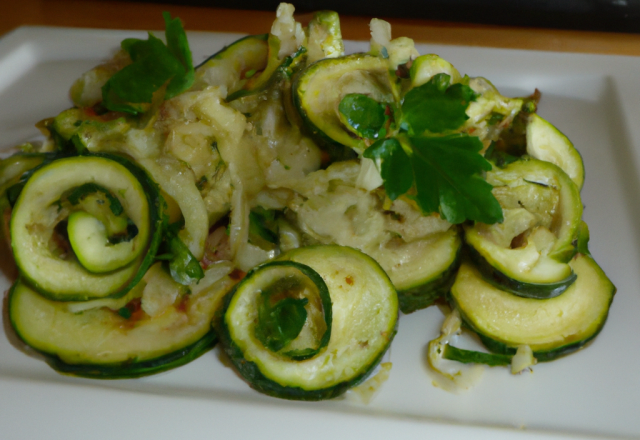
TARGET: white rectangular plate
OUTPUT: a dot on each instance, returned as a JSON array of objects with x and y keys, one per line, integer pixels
[{"x": 594, "y": 99}]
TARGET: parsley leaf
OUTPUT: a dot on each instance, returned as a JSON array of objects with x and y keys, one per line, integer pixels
[
  {"x": 179, "y": 46},
  {"x": 153, "y": 66},
  {"x": 183, "y": 266},
  {"x": 281, "y": 322},
  {"x": 447, "y": 176},
  {"x": 424, "y": 157},
  {"x": 362, "y": 115},
  {"x": 436, "y": 106},
  {"x": 393, "y": 163}
]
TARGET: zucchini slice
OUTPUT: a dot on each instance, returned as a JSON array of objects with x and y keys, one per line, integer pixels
[
  {"x": 318, "y": 104},
  {"x": 364, "y": 318},
  {"x": 107, "y": 189},
  {"x": 234, "y": 65},
  {"x": 546, "y": 142},
  {"x": 100, "y": 343},
  {"x": 552, "y": 327},
  {"x": 542, "y": 215},
  {"x": 422, "y": 271}
]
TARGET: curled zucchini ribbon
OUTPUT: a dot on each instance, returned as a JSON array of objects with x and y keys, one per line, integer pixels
[
  {"x": 86, "y": 227},
  {"x": 293, "y": 306},
  {"x": 310, "y": 325}
]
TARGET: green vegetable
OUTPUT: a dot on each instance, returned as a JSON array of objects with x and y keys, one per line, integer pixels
[
  {"x": 393, "y": 163},
  {"x": 365, "y": 116},
  {"x": 102, "y": 343},
  {"x": 445, "y": 172},
  {"x": 475, "y": 357},
  {"x": 424, "y": 156},
  {"x": 351, "y": 293},
  {"x": 552, "y": 327},
  {"x": 154, "y": 65},
  {"x": 59, "y": 273},
  {"x": 183, "y": 266},
  {"x": 436, "y": 106},
  {"x": 281, "y": 323},
  {"x": 89, "y": 188}
]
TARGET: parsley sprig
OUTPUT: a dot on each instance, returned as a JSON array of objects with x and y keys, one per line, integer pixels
[
  {"x": 423, "y": 153},
  {"x": 155, "y": 65}
]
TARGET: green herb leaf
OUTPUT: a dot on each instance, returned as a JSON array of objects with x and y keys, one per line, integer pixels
[
  {"x": 154, "y": 66},
  {"x": 393, "y": 163},
  {"x": 281, "y": 323},
  {"x": 125, "y": 312},
  {"x": 262, "y": 224},
  {"x": 362, "y": 115},
  {"x": 179, "y": 46},
  {"x": 447, "y": 172},
  {"x": 183, "y": 266},
  {"x": 435, "y": 106}
]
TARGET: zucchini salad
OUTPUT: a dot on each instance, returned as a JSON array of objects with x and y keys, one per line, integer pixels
[{"x": 291, "y": 202}]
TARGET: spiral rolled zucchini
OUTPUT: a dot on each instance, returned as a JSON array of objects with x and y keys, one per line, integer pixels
[{"x": 86, "y": 227}]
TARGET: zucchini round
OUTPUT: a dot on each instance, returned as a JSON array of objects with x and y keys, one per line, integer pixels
[
  {"x": 364, "y": 318},
  {"x": 101, "y": 186},
  {"x": 423, "y": 270},
  {"x": 318, "y": 103},
  {"x": 546, "y": 142},
  {"x": 542, "y": 215},
  {"x": 234, "y": 65},
  {"x": 552, "y": 327},
  {"x": 100, "y": 343}
]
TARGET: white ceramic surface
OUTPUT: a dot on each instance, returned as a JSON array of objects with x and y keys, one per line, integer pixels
[{"x": 594, "y": 393}]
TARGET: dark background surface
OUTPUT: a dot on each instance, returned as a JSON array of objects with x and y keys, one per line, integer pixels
[{"x": 595, "y": 15}]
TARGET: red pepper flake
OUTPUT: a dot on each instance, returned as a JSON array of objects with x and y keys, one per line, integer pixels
[
  {"x": 325, "y": 159},
  {"x": 183, "y": 304},
  {"x": 135, "y": 308},
  {"x": 237, "y": 275}
]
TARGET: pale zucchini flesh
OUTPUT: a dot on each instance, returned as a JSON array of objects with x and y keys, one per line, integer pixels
[
  {"x": 551, "y": 327},
  {"x": 37, "y": 213},
  {"x": 101, "y": 343},
  {"x": 365, "y": 312}
]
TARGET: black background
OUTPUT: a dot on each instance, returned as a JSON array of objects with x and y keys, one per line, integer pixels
[{"x": 597, "y": 15}]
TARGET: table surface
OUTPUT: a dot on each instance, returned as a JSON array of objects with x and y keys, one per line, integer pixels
[{"x": 121, "y": 15}]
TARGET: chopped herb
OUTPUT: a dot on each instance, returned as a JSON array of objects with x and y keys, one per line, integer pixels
[
  {"x": 426, "y": 159},
  {"x": 125, "y": 312},
  {"x": 183, "y": 266},
  {"x": 436, "y": 106},
  {"x": 281, "y": 322},
  {"x": 363, "y": 115},
  {"x": 495, "y": 118},
  {"x": 154, "y": 65},
  {"x": 201, "y": 182}
]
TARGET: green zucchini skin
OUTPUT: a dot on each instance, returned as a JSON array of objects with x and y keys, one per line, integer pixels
[
  {"x": 73, "y": 352},
  {"x": 587, "y": 324},
  {"x": 519, "y": 288},
  {"x": 230, "y": 50},
  {"x": 133, "y": 370},
  {"x": 156, "y": 205},
  {"x": 424, "y": 295},
  {"x": 254, "y": 372},
  {"x": 339, "y": 144},
  {"x": 258, "y": 381}
]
